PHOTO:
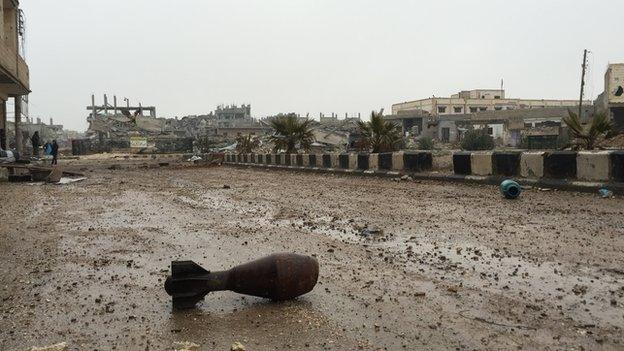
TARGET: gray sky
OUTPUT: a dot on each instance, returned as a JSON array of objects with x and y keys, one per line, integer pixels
[{"x": 187, "y": 56}]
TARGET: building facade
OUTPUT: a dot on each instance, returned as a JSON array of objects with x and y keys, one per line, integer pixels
[
  {"x": 14, "y": 75},
  {"x": 474, "y": 101},
  {"x": 233, "y": 116},
  {"x": 612, "y": 99}
]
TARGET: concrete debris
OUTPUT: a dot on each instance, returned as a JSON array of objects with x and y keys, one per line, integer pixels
[
  {"x": 56, "y": 347},
  {"x": 366, "y": 232},
  {"x": 67, "y": 180},
  {"x": 237, "y": 346},
  {"x": 185, "y": 346},
  {"x": 194, "y": 158},
  {"x": 406, "y": 177}
]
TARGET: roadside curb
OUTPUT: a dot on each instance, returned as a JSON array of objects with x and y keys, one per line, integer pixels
[{"x": 562, "y": 184}]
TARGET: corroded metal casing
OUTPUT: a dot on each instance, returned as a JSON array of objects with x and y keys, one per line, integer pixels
[
  {"x": 278, "y": 277},
  {"x": 281, "y": 276}
]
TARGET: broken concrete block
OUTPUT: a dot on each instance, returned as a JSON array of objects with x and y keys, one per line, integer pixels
[
  {"x": 56, "y": 347},
  {"x": 185, "y": 346},
  {"x": 532, "y": 164}
]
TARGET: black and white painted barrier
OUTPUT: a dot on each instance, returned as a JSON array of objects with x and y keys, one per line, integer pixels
[
  {"x": 399, "y": 162},
  {"x": 592, "y": 166},
  {"x": 583, "y": 170}
]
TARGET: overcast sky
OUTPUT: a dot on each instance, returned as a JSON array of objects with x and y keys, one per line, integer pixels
[{"x": 187, "y": 56}]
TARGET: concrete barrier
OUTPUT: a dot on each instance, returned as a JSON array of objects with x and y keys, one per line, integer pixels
[
  {"x": 397, "y": 161},
  {"x": 481, "y": 163},
  {"x": 532, "y": 164},
  {"x": 343, "y": 161},
  {"x": 335, "y": 161},
  {"x": 353, "y": 158},
  {"x": 313, "y": 161},
  {"x": 417, "y": 161},
  {"x": 327, "y": 161},
  {"x": 560, "y": 164},
  {"x": 385, "y": 161},
  {"x": 617, "y": 165},
  {"x": 363, "y": 161},
  {"x": 506, "y": 163},
  {"x": 461, "y": 163},
  {"x": 593, "y": 165},
  {"x": 373, "y": 162}
]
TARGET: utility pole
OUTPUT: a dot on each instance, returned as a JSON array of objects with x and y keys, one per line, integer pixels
[{"x": 582, "y": 82}]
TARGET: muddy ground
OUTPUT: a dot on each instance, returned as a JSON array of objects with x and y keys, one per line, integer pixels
[{"x": 456, "y": 266}]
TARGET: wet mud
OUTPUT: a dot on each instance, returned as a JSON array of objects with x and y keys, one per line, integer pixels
[{"x": 403, "y": 265}]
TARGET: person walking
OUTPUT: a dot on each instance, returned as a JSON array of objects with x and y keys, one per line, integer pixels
[
  {"x": 54, "y": 152},
  {"x": 35, "y": 140}
]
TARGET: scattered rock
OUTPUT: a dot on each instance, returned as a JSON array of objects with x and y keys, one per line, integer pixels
[
  {"x": 237, "y": 346},
  {"x": 226, "y": 186},
  {"x": 185, "y": 346},
  {"x": 407, "y": 178},
  {"x": 56, "y": 347},
  {"x": 371, "y": 231},
  {"x": 579, "y": 289}
]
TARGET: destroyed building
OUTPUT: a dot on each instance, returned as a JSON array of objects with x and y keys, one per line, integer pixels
[
  {"x": 14, "y": 72},
  {"x": 511, "y": 122},
  {"x": 138, "y": 129},
  {"x": 612, "y": 99},
  {"x": 478, "y": 100}
]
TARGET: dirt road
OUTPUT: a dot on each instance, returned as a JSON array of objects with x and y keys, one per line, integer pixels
[{"x": 456, "y": 266}]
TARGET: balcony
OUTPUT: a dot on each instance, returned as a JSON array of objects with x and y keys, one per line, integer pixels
[{"x": 14, "y": 75}]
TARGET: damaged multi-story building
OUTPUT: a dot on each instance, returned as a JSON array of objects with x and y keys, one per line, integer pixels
[
  {"x": 612, "y": 99},
  {"x": 14, "y": 73},
  {"x": 508, "y": 120},
  {"x": 137, "y": 128}
]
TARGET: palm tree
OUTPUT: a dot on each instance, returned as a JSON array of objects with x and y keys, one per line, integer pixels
[
  {"x": 379, "y": 134},
  {"x": 587, "y": 137},
  {"x": 245, "y": 144},
  {"x": 291, "y": 134}
]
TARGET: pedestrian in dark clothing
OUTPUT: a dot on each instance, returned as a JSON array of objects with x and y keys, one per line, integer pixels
[
  {"x": 54, "y": 151},
  {"x": 36, "y": 142}
]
